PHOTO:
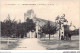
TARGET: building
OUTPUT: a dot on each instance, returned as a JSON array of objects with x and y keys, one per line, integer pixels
[{"x": 39, "y": 23}]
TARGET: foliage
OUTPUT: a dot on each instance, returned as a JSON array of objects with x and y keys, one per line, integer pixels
[
  {"x": 8, "y": 27},
  {"x": 30, "y": 25},
  {"x": 67, "y": 31},
  {"x": 11, "y": 28},
  {"x": 48, "y": 29}
]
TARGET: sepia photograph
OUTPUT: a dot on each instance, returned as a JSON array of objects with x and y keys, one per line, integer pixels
[{"x": 39, "y": 24}]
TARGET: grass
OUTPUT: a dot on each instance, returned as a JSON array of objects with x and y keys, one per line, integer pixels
[
  {"x": 55, "y": 44},
  {"x": 52, "y": 44},
  {"x": 8, "y": 45}
]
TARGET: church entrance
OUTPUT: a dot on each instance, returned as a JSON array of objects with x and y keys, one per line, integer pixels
[{"x": 32, "y": 35}]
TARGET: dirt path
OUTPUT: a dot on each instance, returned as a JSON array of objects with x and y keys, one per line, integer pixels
[{"x": 29, "y": 44}]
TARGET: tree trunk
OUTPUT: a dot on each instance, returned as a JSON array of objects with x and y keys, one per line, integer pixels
[
  {"x": 49, "y": 36},
  {"x": 30, "y": 34},
  {"x": 25, "y": 34},
  {"x": 59, "y": 34},
  {"x": 37, "y": 35},
  {"x": 44, "y": 37}
]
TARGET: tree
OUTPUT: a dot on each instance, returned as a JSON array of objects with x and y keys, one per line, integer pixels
[
  {"x": 20, "y": 30},
  {"x": 48, "y": 29},
  {"x": 30, "y": 25},
  {"x": 13, "y": 28},
  {"x": 8, "y": 27},
  {"x": 3, "y": 29},
  {"x": 61, "y": 20}
]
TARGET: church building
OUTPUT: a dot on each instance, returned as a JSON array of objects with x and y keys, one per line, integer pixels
[{"x": 39, "y": 23}]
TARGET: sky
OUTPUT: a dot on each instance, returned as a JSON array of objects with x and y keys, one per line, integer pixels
[{"x": 44, "y": 9}]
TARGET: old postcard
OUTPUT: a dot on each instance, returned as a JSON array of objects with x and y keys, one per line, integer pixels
[{"x": 39, "y": 24}]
